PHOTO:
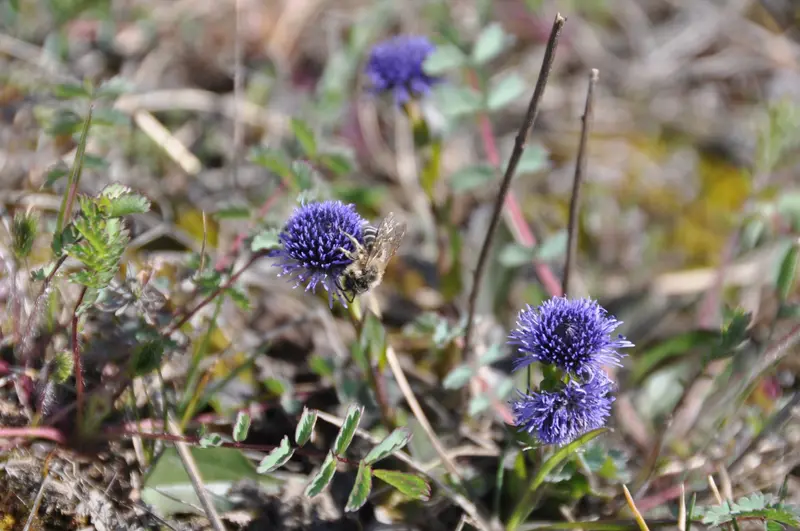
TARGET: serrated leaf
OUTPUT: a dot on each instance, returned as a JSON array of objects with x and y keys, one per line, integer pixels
[
  {"x": 323, "y": 478},
  {"x": 348, "y": 429},
  {"x": 471, "y": 177},
  {"x": 361, "y": 488},
  {"x": 455, "y": 101},
  {"x": 303, "y": 175},
  {"x": 265, "y": 240},
  {"x": 393, "y": 442},
  {"x": 306, "y": 426},
  {"x": 277, "y": 457},
  {"x": 305, "y": 136},
  {"x": 410, "y": 485},
  {"x": 443, "y": 58},
  {"x": 211, "y": 440},
  {"x": 787, "y": 274},
  {"x": 458, "y": 377},
  {"x": 505, "y": 91},
  {"x": 241, "y": 427},
  {"x": 489, "y": 43},
  {"x": 273, "y": 160},
  {"x": 117, "y": 200}
]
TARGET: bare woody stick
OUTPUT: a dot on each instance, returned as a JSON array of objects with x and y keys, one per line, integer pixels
[
  {"x": 519, "y": 148},
  {"x": 580, "y": 168}
]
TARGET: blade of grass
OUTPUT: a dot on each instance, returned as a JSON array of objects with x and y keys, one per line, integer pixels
[
  {"x": 636, "y": 514},
  {"x": 74, "y": 175}
]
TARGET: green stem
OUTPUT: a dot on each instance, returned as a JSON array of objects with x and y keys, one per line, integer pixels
[{"x": 374, "y": 376}]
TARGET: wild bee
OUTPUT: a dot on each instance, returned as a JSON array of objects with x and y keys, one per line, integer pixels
[{"x": 370, "y": 259}]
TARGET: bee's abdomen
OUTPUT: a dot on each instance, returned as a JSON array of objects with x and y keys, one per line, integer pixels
[{"x": 369, "y": 234}]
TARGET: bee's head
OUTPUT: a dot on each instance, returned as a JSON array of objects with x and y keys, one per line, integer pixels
[{"x": 359, "y": 280}]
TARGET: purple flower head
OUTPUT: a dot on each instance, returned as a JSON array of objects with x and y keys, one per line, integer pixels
[
  {"x": 396, "y": 65},
  {"x": 572, "y": 334},
  {"x": 311, "y": 245},
  {"x": 559, "y": 417}
]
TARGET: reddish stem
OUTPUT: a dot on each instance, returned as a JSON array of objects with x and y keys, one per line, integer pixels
[
  {"x": 41, "y": 432},
  {"x": 76, "y": 358}
]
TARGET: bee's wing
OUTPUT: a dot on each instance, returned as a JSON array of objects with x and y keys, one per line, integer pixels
[{"x": 388, "y": 237}]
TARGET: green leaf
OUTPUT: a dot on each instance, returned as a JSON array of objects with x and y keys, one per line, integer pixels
[
  {"x": 348, "y": 429},
  {"x": 515, "y": 255},
  {"x": 471, "y": 177},
  {"x": 113, "y": 88},
  {"x": 670, "y": 348},
  {"x": 117, "y": 200},
  {"x": 553, "y": 247},
  {"x": 241, "y": 427},
  {"x": 211, "y": 440},
  {"x": 458, "y": 377},
  {"x": 277, "y": 457},
  {"x": 533, "y": 160},
  {"x": 63, "y": 364},
  {"x": 361, "y": 488},
  {"x": 304, "y": 135},
  {"x": 410, "y": 485},
  {"x": 336, "y": 162},
  {"x": 505, "y": 91},
  {"x": 24, "y": 228},
  {"x": 272, "y": 159},
  {"x": 489, "y": 43},
  {"x": 525, "y": 505},
  {"x": 734, "y": 332},
  {"x": 306, "y": 426},
  {"x": 232, "y": 212},
  {"x": 445, "y": 57},
  {"x": 265, "y": 240},
  {"x": 53, "y": 176},
  {"x": 323, "y": 478},
  {"x": 494, "y": 353},
  {"x": 68, "y": 91},
  {"x": 787, "y": 274},
  {"x": 477, "y": 404},
  {"x": 393, "y": 442},
  {"x": 455, "y": 101},
  {"x": 147, "y": 357}
]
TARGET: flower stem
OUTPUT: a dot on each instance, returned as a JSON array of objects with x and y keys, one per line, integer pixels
[
  {"x": 76, "y": 359},
  {"x": 374, "y": 376}
]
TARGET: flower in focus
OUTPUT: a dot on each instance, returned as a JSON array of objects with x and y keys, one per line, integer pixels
[
  {"x": 311, "y": 243},
  {"x": 396, "y": 65},
  {"x": 572, "y": 334},
  {"x": 559, "y": 417}
]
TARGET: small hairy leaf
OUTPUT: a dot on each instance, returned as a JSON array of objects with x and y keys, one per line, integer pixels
[
  {"x": 306, "y": 426},
  {"x": 323, "y": 478},
  {"x": 348, "y": 429},
  {"x": 391, "y": 444},
  {"x": 211, "y": 440},
  {"x": 241, "y": 427},
  {"x": 361, "y": 488},
  {"x": 24, "y": 228},
  {"x": 504, "y": 92},
  {"x": 410, "y": 485},
  {"x": 265, "y": 240},
  {"x": 458, "y": 377},
  {"x": 443, "y": 58},
  {"x": 735, "y": 331},
  {"x": 489, "y": 43},
  {"x": 63, "y": 364},
  {"x": 553, "y": 247},
  {"x": 277, "y": 457},
  {"x": 147, "y": 357},
  {"x": 117, "y": 200},
  {"x": 494, "y": 353},
  {"x": 305, "y": 136},
  {"x": 787, "y": 275}
]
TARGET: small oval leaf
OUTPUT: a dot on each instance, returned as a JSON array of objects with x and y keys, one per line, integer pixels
[
  {"x": 241, "y": 427},
  {"x": 458, "y": 377},
  {"x": 504, "y": 92},
  {"x": 277, "y": 457},
  {"x": 305, "y": 136},
  {"x": 361, "y": 488},
  {"x": 489, "y": 43},
  {"x": 787, "y": 274},
  {"x": 323, "y": 478},
  {"x": 348, "y": 429},
  {"x": 305, "y": 427},
  {"x": 444, "y": 58},
  {"x": 391, "y": 444},
  {"x": 410, "y": 485}
]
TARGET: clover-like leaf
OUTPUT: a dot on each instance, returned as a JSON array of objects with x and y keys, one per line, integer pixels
[
  {"x": 348, "y": 429},
  {"x": 410, "y": 485},
  {"x": 277, "y": 457},
  {"x": 391, "y": 444},
  {"x": 458, "y": 377},
  {"x": 323, "y": 478},
  {"x": 305, "y": 427},
  {"x": 241, "y": 427},
  {"x": 361, "y": 488}
]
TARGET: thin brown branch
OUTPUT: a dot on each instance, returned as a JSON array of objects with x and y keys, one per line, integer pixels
[
  {"x": 580, "y": 169},
  {"x": 76, "y": 358},
  {"x": 516, "y": 155}
]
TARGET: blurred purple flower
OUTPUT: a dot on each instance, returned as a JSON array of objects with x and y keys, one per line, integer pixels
[
  {"x": 572, "y": 334},
  {"x": 396, "y": 65},
  {"x": 559, "y": 417},
  {"x": 311, "y": 244}
]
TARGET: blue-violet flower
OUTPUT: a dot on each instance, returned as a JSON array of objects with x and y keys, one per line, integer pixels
[
  {"x": 572, "y": 334},
  {"x": 396, "y": 65},
  {"x": 311, "y": 244},
  {"x": 559, "y": 417}
]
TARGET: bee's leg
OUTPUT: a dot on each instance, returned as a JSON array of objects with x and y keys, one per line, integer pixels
[
  {"x": 349, "y": 255},
  {"x": 353, "y": 239}
]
